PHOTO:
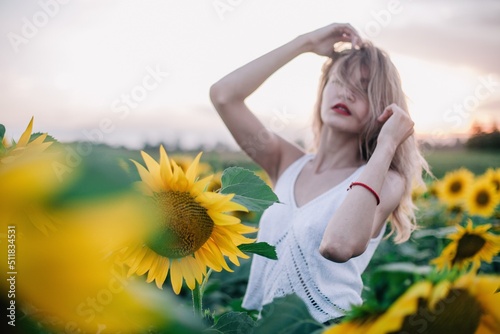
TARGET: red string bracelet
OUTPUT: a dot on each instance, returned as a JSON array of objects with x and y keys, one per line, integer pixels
[{"x": 366, "y": 187}]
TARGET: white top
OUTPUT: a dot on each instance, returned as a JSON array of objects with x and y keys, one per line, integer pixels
[{"x": 327, "y": 288}]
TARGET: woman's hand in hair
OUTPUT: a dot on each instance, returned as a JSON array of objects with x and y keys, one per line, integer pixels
[
  {"x": 322, "y": 40},
  {"x": 397, "y": 126}
]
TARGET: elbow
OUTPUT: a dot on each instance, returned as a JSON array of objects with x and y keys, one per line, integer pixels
[
  {"x": 339, "y": 252},
  {"x": 336, "y": 253},
  {"x": 220, "y": 95}
]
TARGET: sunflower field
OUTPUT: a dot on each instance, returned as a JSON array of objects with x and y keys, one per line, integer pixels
[{"x": 95, "y": 240}]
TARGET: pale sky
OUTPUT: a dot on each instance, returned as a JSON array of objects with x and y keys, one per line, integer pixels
[{"x": 128, "y": 72}]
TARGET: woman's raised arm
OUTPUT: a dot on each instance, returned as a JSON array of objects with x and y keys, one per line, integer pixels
[{"x": 266, "y": 148}]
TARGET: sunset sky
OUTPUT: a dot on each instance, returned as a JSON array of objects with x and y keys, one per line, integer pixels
[{"x": 132, "y": 72}]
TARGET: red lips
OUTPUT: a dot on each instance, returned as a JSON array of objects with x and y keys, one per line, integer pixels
[{"x": 342, "y": 109}]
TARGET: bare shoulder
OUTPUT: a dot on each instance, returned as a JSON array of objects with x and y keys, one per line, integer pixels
[{"x": 289, "y": 153}]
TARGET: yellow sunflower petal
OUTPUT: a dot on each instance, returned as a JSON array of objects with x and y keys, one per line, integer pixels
[
  {"x": 153, "y": 167},
  {"x": 216, "y": 255},
  {"x": 203, "y": 257},
  {"x": 200, "y": 185},
  {"x": 165, "y": 168},
  {"x": 195, "y": 269},
  {"x": 146, "y": 263},
  {"x": 162, "y": 270},
  {"x": 25, "y": 137},
  {"x": 193, "y": 169},
  {"x": 222, "y": 218},
  {"x": 137, "y": 260},
  {"x": 188, "y": 272},
  {"x": 223, "y": 203},
  {"x": 393, "y": 318},
  {"x": 350, "y": 327},
  {"x": 176, "y": 276},
  {"x": 39, "y": 140},
  {"x": 152, "y": 271},
  {"x": 439, "y": 292},
  {"x": 146, "y": 177}
]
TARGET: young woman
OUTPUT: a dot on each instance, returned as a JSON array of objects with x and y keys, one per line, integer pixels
[{"x": 334, "y": 202}]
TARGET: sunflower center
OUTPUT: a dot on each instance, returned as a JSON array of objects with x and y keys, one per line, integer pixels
[
  {"x": 458, "y": 312},
  {"x": 468, "y": 246},
  {"x": 456, "y": 186},
  {"x": 483, "y": 198},
  {"x": 497, "y": 184},
  {"x": 185, "y": 225}
]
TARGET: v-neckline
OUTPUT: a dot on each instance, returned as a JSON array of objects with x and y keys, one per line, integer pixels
[{"x": 323, "y": 194}]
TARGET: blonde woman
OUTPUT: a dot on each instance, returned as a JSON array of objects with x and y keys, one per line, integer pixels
[{"x": 336, "y": 201}]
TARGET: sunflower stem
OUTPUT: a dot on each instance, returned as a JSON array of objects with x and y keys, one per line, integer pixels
[
  {"x": 197, "y": 300},
  {"x": 197, "y": 293}
]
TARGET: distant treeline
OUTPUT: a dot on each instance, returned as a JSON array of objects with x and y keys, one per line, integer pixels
[{"x": 482, "y": 140}]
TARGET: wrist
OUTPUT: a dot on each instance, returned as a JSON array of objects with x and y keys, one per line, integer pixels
[
  {"x": 386, "y": 148},
  {"x": 304, "y": 43}
]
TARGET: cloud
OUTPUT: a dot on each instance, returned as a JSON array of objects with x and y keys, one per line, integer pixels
[{"x": 464, "y": 33}]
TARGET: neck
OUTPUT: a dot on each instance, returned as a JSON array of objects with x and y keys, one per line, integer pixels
[{"x": 337, "y": 150}]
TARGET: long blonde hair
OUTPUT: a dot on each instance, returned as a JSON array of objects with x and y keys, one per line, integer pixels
[{"x": 383, "y": 89}]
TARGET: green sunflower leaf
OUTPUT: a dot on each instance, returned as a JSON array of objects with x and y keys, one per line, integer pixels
[
  {"x": 2, "y": 133},
  {"x": 288, "y": 315},
  {"x": 261, "y": 248},
  {"x": 233, "y": 323},
  {"x": 49, "y": 138},
  {"x": 249, "y": 189}
]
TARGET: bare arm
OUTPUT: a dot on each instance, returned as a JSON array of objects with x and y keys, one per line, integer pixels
[
  {"x": 266, "y": 148},
  {"x": 359, "y": 218}
]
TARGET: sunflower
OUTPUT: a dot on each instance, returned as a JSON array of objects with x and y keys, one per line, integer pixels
[
  {"x": 195, "y": 231},
  {"x": 27, "y": 178},
  {"x": 215, "y": 183},
  {"x": 78, "y": 287},
  {"x": 493, "y": 176},
  {"x": 388, "y": 321},
  {"x": 467, "y": 305},
  {"x": 12, "y": 152},
  {"x": 482, "y": 198},
  {"x": 184, "y": 161},
  {"x": 454, "y": 186},
  {"x": 469, "y": 245}
]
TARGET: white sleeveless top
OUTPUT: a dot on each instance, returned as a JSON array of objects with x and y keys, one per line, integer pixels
[{"x": 327, "y": 288}]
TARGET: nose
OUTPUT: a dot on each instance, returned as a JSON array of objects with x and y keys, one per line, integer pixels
[{"x": 345, "y": 93}]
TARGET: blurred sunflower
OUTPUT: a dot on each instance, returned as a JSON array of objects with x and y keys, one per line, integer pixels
[
  {"x": 454, "y": 186},
  {"x": 469, "y": 245},
  {"x": 467, "y": 305},
  {"x": 69, "y": 281},
  {"x": 195, "y": 229},
  {"x": 27, "y": 178},
  {"x": 482, "y": 198},
  {"x": 215, "y": 183},
  {"x": 12, "y": 151},
  {"x": 184, "y": 161},
  {"x": 493, "y": 176}
]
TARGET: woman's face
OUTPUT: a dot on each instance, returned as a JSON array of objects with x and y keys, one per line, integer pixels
[{"x": 343, "y": 108}]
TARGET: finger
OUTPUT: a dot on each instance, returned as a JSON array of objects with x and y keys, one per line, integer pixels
[
  {"x": 356, "y": 42},
  {"x": 385, "y": 115}
]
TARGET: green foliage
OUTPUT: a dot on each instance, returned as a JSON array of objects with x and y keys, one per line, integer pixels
[
  {"x": 391, "y": 280},
  {"x": 232, "y": 323},
  {"x": 260, "y": 248},
  {"x": 49, "y": 138},
  {"x": 2, "y": 132},
  {"x": 249, "y": 189},
  {"x": 477, "y": 161},
  {"x": 90, "y": 176},
  {"x": 288, "y": 315}
]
